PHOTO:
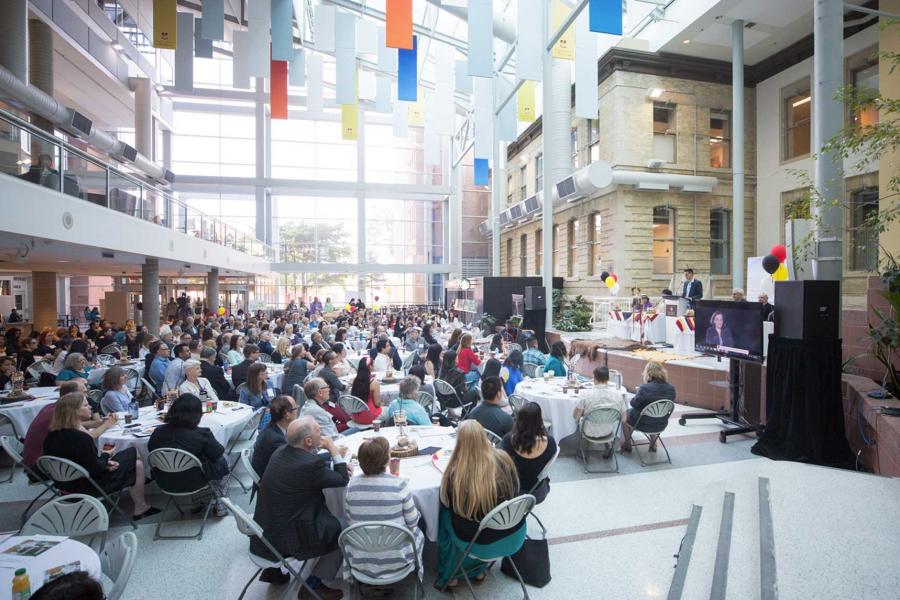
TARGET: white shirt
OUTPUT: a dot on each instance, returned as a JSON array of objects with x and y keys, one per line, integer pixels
[
  {"x": 381, "y": 362},
  {"x": 197, "y": 389}
]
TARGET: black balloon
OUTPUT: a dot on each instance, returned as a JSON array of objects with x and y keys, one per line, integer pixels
[
  {"x": 770, "y": 263},
  {"x": 604, "y": 275}
]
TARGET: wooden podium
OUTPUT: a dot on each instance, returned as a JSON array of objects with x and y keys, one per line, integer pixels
[{"x": 675, "y": 306}]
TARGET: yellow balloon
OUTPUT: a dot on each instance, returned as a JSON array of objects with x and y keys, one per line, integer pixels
[
  {"x": 610, "y": 282},
  {"x": 221, "y": 310},
  {"x": 780, "y": 274}
]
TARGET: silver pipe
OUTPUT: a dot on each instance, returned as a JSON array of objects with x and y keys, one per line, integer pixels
[{"x": 737, "y": 155}]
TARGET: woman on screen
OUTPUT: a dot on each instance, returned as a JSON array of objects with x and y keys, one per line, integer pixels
[{"x": 717, "y": 334}]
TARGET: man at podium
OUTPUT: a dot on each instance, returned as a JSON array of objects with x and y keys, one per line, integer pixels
[{"x": 692, "y": 289}]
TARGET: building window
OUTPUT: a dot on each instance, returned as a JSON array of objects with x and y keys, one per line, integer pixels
[
  {"x": 573, "y": 134},
  {"x": 523, "y": 255},
  {"x": 538, "y": 173},
  {"x": 523, "y": 184},
  {"x": 594, "y": 140},
  {"x": 509, "y": 190},
  {"x": 797, "y": 125},
  {"x": 865, "y": 86},
  {"x": 863, "y": 236},
  {"x": 663, "y": 240},
  {"x": 557, "y": 243},
  {"x": 719, "y": 241},
  {"x": 664, "y": 131},
  {"x": 594, "y": 253},
  {"x": 539, "y": 250},
  {"x": 509, "y": 257},
  {"x": 572, "y": 247},
  {"x": 720, "y": 140}
]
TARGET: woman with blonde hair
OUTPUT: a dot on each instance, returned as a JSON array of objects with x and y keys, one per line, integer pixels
[
  {"x": 282, "y": 350},
  {"x": 478, "y": 478},
  {"x": 656, "y": 387}
]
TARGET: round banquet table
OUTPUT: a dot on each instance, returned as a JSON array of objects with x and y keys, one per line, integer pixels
[
  {"x": 95, "y": 375},
  {"x": 421, "y": 472},
  {"x": 23, "y": 412},
  {"x": 65, "y": 552},
  {"x": 389, "y": 391},
  {"x": 228, "y": 420},
  {"x": 557, "y": 406}
]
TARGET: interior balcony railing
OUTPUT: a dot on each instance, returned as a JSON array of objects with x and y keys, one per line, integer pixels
[{"x": 30, "y": 153}]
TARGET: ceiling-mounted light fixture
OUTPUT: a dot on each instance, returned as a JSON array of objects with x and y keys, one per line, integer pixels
[
  {"x": 802, "y": 101},
  {"x": 117, "y": 46},
  {"x": 655, "y": 93}
]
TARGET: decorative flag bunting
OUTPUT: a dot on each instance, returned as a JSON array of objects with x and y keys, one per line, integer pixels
[
  {"x": 565, "y": 47},
  {"x": 349, "y": 121},
  {"x": 212, "y": 26},
  {"x": 240, "y": 68},
  {"x": 586, "y": 82},
  {"x": 525, "y": 101},
  {"x": 406, "y": 72},
  {"x": 278, "y": 89},
  {"x": 314, "y": 82},
  {"x": 530, "y": 41},
  {"x": 297, "y": 70},
  {"x": 481, "y": 38},
  {"x": 282, "y": 30},
  {"x": 398, "y": 19},
  {"x": 605, "y": 16},
  {"x": 184, "y": 53},
  {"x": 165, "y": 24},
  {"x": 482, "y": 172},
  {"x": 324, "y": 30},
  {"x": 203, "y": 48}
]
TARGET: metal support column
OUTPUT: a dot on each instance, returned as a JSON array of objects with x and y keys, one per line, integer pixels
[
  {"x": 150, "y": 294},
  {"x": 212, "y": 290},
  {"x": 455, "y": 219},
  {"x": 261, "y": 154},
  {"x": 496, "y": 179},
  {"x": 143, "y": 114},
  {"x": 549, "y": 181},
  {"x": 828, "y": 118},
  {"x": 737, "y": 160}
]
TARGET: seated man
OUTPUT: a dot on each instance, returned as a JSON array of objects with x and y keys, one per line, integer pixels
[
  {"x": 239, "y": 371},
  {"x": 317, "y": 391},
  {"x": 489, "y": 412},
  {"x": 214, "y": 374},
  {"x": 291, "y": 507},
  {"x": 160, "y": 364},
  {"x": 533, "y": 356},
  {"x": 175, "y": 369},
  {"x": 601, "y": 396}
]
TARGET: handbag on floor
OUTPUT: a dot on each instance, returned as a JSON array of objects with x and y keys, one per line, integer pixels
[{"x": 532, "y": 561}]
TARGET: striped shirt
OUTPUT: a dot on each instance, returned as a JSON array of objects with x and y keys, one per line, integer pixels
[{"x": 382, "y": 498}]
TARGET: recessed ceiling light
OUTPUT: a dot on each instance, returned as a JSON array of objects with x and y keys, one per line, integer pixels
[
  {"x": 686, "y": 42},
  {"x": 117, "y": 46}
]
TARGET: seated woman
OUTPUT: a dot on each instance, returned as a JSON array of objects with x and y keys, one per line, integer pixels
[
  {"x": 335, "y": 386},
  {"x": 477, "y": 479},
  {"x": 433, "y": 360},
  {"x": 296, "y": 369},
  {"x": 116, "y": 396},
  {"x": 452, "y": 375},
  {"x": 282, "y": 350},
  {"x": 497, "y": 343},
  {"x": 69, "y": 439},
  {"x": 512, "y": 372},
  {"x": 467, "y": 360},
  {"x": 406, "y": 401},
  {"x": 75, "y": 366},
  {"x": 531, "y": 448},
  {"x": 656, "y": 387},
  {"x": 181, "y": 430},
  {"x": 556, "y": 362},
  {"x": 258, "y": 392},
  {"x": 380, "y": 496},
  {"x": 194, "y": 384},
  {"x": 343, "y": 366},
  {"x": 367, "y": 389},
  {"x": 236, "y": 349}
]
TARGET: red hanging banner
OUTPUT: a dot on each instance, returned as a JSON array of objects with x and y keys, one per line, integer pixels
[
  {"x": 398, "y": 18},
  {"x": 278, "y": 89}
]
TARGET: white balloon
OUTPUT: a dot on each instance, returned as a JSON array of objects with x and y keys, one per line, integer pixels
[
  {"x": 615, "y": 289},
  {"x": 767, "y": 285}
]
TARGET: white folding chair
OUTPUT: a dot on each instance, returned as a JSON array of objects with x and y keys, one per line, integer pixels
[
  {"x": 110, "y": 349},
  {"x": 530, "y": 370},
  {"x": 543, "y": 476},
  {"x": 372, "y": 538},
  {"x": 75, "y": 515},
  {"x": 427, "y": 401},
  {"x": 174, "y": 461},
  {"x": 510, "y": 346},
  {"x": 37, "y": 368},
  {"x": 14, "y": 448},
  {"x": 117, "y": 562},
  {"x": 95, "y": 398},
  {"x": 107, "y": 360},
  {"x": 659, "y": 409},
  {"x": 493, "y": 438},
  {"x": 449, "y": 399},
  {"x": 245, "y": 438},
  {"x": 600, "y": 417},
  {"x": 352, "y": 406},
  {"x": 251, "y": 529},
  {"x": 409, "y": 361},
  {"x": 62, "y": 470},
  {"x": 247, "y": 462},
  {"x": 299, "y": 394},
  {"x": 265, "y": 358},
  {"x": 516, "y": 402},
  {"x": 132, "y": 378}
]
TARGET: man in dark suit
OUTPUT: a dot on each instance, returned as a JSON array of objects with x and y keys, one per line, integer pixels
[
  {"x": 214, "y": 373},
  {"x": 239, "y": 371},
  {"x": 767, "y": 309},
  {"x": 283, "y": 410},
  {"x": 291, "y": 506},
  {"x": 693, "y": 289}
]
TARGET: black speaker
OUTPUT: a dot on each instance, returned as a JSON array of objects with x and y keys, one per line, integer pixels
[
  {"x": 807, "y": 310},
  {"x": 535, "y": 298}
]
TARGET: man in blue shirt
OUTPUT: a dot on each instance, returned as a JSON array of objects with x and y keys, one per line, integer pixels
[
  {"x": 174, "y": 375},
  {"x": 159, "y": 365},
  {"x": 532, "y": 355}
]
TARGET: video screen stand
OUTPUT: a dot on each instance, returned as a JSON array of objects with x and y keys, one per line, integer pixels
[{"x": 734, "y": 420}]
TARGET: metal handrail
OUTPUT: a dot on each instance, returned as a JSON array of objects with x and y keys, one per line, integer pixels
[{"x": 177, "y": 214}]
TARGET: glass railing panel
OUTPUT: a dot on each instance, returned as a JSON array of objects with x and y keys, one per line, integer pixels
[
  {"x": 84, "y": 178},
  {"x": 125, "y": 194}
]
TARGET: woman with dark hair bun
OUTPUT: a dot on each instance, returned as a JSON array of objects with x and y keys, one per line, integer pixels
[
  {"x": 367, "y": 389},
  {"x": 531, "y": 448},
  {"x": 433, "y": 360}
]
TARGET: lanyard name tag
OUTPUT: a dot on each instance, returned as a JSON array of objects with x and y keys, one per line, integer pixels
[
  {"x": 270, "y": 393},
  {"x": 203, "y": 391}
]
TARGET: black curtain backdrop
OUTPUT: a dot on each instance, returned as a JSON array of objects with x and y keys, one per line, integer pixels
[{"x": 804, "y": 411}]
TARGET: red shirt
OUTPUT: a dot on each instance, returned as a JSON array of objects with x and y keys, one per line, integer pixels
[
  {"x": 466, "y": 359},
  {"x": 37, "y": 433}
]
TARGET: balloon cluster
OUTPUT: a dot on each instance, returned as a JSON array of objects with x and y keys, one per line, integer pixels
[
  {"x": 773, "y": 263},
  {"x": 612, "y": 282}
]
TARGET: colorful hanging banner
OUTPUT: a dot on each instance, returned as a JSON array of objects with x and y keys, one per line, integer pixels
[
  {"x": 203, "y": 48},
  {"x": 259, "y": 48},
  {"x": 399, "y": 22},
  {"x": 525, "y": 100},
  {"x": 406, "y": 72},
  {"x": 297, "y": 70},
  {"x": 382, "y": 94},
  {"x": 605, "y": 16},
  {"x": 184, "y": 53},
  {"x": 324, "y": 30},
  {"x": 387, "y": 57},
  {"x": 417, "y": 113},
  {"x": 400, "y": 121},
  {"x": 565, "y": 47},
  {"x": 282, "y": 30},
  {"x": 586, "y": 81},
  {"x": 349, "y": 121},
  {"x": 366, "y": 37},
  {"x": 165, "y": 24},
  {"x": 278, "y": 89},
  {"x": 212, "y": 26},
  {"x": 484, "y": 117},
  {"x": 482, "y": 172}
]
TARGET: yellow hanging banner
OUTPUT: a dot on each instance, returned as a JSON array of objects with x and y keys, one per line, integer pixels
[
  {"x": 349, "y": 121},
  {"x": 165, "y": 24},
  {"x": 565, "y": 47},
  {"x": 525, "y": 101},
  {"x": 417, "y": 112}
]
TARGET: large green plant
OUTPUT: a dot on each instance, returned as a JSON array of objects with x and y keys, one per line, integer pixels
[
  {"x": 486, "y": 322},
  {"x": 573, "y": 315},
  {"x": 885, "y": 334}
]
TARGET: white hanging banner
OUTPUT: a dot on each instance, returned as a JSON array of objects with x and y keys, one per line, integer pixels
[
  {"x": 484, "y": 112},
  {"x": 481, "y": 38},
  {"x": 259, "y": 58},
  {"x": 445, "y": 107},
  {"x": 587, "y": 95},
  {"x": 366, "y": 37},
  {"x": 387, "y": 57},
  {"x": 345, "y": 59},
  {"x": 382, "y": 94},
  {"x": 529, "y": 44},
  {"x": 401, "y": 118},
  {"x": 324, "y": 27},
  {"x": 430, "y": 137},
  {"x": 344, "y": 30},
  {"x": 240, "y": 67},
  {"x": 259, "y": 9},
  {"x": 367, "y": 85},
  {"x": 507, "y": 128},
  {"x": 213, "y": 25},
  {"x": 297, "y": 70},
  {"x": 184, "y": 53},
  {"x": 314, "y": 101},
  {"x": 463, "y": 81}
]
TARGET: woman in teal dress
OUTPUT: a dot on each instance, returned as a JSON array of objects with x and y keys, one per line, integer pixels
[{"x": 556, "y": 362}]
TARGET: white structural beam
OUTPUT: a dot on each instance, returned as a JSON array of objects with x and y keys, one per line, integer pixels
[{"x": 737, "y": 167}]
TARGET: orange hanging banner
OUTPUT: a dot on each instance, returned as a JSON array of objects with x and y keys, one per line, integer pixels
[
  {"x": 398, "y": 17},
  {"x": 278, "y": 89}
]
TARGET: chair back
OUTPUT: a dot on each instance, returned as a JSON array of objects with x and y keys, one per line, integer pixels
[
  {"x": 409, "y": 361},
  {"x": 493, "y": 438},
  {"x": 74, "y": 515},
  {"x": 658, "y": 409},
  {"x": 251, "y": 427},
  {"x": 61, "y": 469},
  {"x": 299, "y": 395},
  {"x": 247, "y": 461},
  {"x": 529, "y": 370},
  {"x": 446, "y": 391},
  {"x": 5, "y": 420},
  {"x": 516, "y": 402},
  {"x": 132, "y": 378},
  {"x": 147, "y": 388},
  {"x": 601, "y": 416},
  {"x": 426, "y": 400},
  {"x": 94, "y": 398},
  {"x": 175, "y": 460},
  {"x": 117, "y": 562},
  {"x": 107, "y": 360},
  {"x": 265, "y": 358},
  {"x": 352, "y": 405},
  {"x": 375, "y": 537},
  {"x": 110, "y": 349},
  {"x": 507, "y": 515},
  {"x": 245, "y": 522},
  {"x": 13, "y": 447},
  {"x": 36, "y": 368},
  {"x": 237, "y": 390},
  {"x": 510, "y": 346},
  {"x": 617, "y": 376}
]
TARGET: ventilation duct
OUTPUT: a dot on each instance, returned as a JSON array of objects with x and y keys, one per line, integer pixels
[
  {"x": 599, "y": 175},
  {"x": 36, "y": 101}
]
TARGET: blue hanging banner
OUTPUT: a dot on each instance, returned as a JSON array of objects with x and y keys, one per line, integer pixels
[
  {"x": 606, "y": 16},
  {"x": 406, "y": 72},
  {"x": 282, "y": 30},
  {"x": 482, "y": 172}
]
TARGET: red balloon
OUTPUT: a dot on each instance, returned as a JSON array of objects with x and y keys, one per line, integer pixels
[
  {"x": 615, "y": 277},
  {"x": 779, "y": 252}
]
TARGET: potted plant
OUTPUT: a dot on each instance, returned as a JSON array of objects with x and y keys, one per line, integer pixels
[
  {"x": 486, "y": 322},
  {"x": 885, "y": 334},
  {"x": 573, "y": 315}
]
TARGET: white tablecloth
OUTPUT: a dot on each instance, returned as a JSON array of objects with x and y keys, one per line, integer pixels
[
  {"x": 65, "y": 552},
  {"x": 276, "y": 374},
  {"x": 389, "y": 391},
  {"x": 22, "y": 413},
  {"x": 557, "y": 406},
  {"x": 95, "y": 375},
  {"x": 224, "y": 424},
  {"x": 424, "y": 478}
]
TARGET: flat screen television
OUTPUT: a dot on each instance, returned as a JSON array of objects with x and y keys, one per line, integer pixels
[
  {"x": 518, "y": 305},
  {"x": 729, "y": 329}
]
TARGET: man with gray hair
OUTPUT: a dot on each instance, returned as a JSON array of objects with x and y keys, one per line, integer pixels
[
  {"x": 214, "y": 374},
  {"x": 737, "y": 294},
  {"x": 292, "y": 511},
  {"x": 317, "y": 392}
]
